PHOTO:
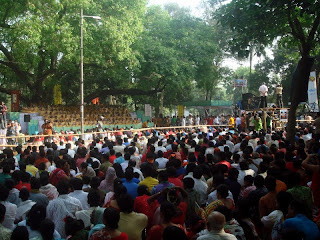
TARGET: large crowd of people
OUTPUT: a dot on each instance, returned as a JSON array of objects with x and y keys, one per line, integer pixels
[{"x": 236, "y": 182}]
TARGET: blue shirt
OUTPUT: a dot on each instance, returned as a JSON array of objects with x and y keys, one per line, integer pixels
[
  {"x": 303, "y": 224},
  {"x": 132, "y": 188}
]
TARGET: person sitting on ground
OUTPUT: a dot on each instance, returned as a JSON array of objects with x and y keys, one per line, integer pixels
[
  {"x": 149, "y": 180},
  {"x": 62, "y": 206},
  {"x": 129, "y": 183},
  {"x": 167, "y": 212},
  {"x": 20, "y": 233},
  {"x": 78, "y": 193},
  {"x": 110, "y": 230},
  {"x": 25, "y": 205},
  {"x": 46, "y": 188},
  {"x": 216, "y": 223},
  {"x": 11, "y": 209},
  {"x": 34, "y": 219},
  {"x": 14, "y": 193},
  {"x": 75, "y": 229},
  {"x": 35, "y": 194},
  {"x": 5, "y": 233},
  {"x": 131, "y": 223},
  {"x": 173, "y": 233},
  {"x": 298, "y": 220}
]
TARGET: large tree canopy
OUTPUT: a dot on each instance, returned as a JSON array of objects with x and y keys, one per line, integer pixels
[
  {"x": 39, "y": 42},
  {"x": 256, "y": 24}
]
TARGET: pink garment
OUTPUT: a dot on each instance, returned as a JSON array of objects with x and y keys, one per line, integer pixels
[
  {"x": 107, "y": 183},
  {"x": 79, "y": 161}
]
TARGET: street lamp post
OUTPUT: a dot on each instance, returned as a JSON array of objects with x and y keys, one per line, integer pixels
[{"x": 81, "y": 69}]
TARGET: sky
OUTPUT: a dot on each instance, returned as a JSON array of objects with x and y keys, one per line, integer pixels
[{"x": 195, "y": 6}]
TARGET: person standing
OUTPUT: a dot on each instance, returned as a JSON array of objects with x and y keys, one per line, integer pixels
[
  {"x": 47, "y": 130},
  {"x": 263, "y": 89},
  {"x": 3, "y": 118},
  {"x": 279, "y": 89}
]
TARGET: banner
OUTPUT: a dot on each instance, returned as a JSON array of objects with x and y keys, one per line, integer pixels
[
  {"x": 57, "y": 96},
  {"x": 148, "y": 110},
  {"x": 284, "y": 115},
  {"x": 15, "y": 101},
  {"x": 313, "y": 93},
  {"x": 240, "y": 83},
  {"x": 180, "y": 110}
]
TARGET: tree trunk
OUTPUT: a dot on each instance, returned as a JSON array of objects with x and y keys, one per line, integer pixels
[{"x": 299, "y": 82}]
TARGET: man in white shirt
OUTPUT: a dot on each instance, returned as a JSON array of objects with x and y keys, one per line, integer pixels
[
  {"x": 124, "y": 165},
  {"x": 71, "y": 152},
  {"x": 263, "y": 89},
  {"x": 119, "y": 147},
  {"x": 161, "y": 160},
  {"x": 215, "y": 225},
  {"x": 63, "y": 206},
  {"x": 11, "y": 209},
  {"x": 199, "y": 186},
  {"x": 160, "y": 147},
  {"x": 25, "y": 204},
  {"x": 78, "y": 193}
]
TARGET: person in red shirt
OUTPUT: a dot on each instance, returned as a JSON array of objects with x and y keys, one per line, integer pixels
[
  {"x": 112, "y": 156},
  {"x": 141, "y": 204},
  {"x": 42, "y": 159},
  {"x": 61, "y": 172},
  {"x": 172, "y": 173},
  {"x": 25, "y": 181}
]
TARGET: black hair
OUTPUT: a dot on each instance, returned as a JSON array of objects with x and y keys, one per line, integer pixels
[
  {"x": 111, "y": 218},
  {"x": 9, "y": 183},
  {"x": 249, "y": 179},
  {"x": 163, "y": 176},
  {"x": 95, "y": 182},
  {"x": 76, "y": 183},
  {"x": 223, "y": 190},
  {"x": 143, "y": 190},
  {"x": 129, "y": 173},
  {"x": 173, "y": 233},
  {"x": 284, "y": 199},
  {"x": 188, "y": 183},
  {"x": 4, "y": 192},
  {"x": 35, "y": 183},
  {"x": 119, "y": 171},
  {"x": 20, "y": 233},
  {"x": 168, "y": 210},
  {"x": 125, "y": 203},
  {"x": 44, "y": 178},
  {"x": 270, "y": 183},
  {"x": 94, "y": 198},
  {"x": 25, "y": 177},
  {"x": 72, "y": 226},
  {"x": 259, "y": 181},
  {"x": 2, "y": 212},
  {"x": 197, "y": 172},
  {"x": 86, "y": 179},
  {"x": 47, "y": 229},
  {"x": 35, "y": 216},
  {"x": 24, "y": 194},
  {"x": 63, "y": 187},
  {"x": 225, "y": 211}
]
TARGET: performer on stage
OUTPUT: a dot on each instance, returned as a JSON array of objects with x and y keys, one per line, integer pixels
[
  {"x": 3, "y": 118},
  {"x": 263, "y": 89},
  {"x": 47, "y": 130},
  {"x": 279, "y": 89}
]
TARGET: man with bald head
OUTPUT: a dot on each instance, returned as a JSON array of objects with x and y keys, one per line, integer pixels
[{"x": 215, "y": 225}]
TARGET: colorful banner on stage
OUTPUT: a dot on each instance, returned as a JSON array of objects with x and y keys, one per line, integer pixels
[
  {"x": 313, "y": 93},
  {"x": 57, "y": 96},
  {"x": 180, "y": 110},
  {"x": 15, "y": 101}
]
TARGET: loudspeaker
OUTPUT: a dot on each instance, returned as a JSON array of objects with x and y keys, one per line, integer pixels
[{"x": 26, "y": 118}]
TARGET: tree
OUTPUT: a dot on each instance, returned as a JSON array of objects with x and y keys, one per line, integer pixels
[
  {"x": 39, "y": 44},
  {"x": 262, "y": 22}
]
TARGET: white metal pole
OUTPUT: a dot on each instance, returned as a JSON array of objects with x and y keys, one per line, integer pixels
[{"x": 81, "y": 76}]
